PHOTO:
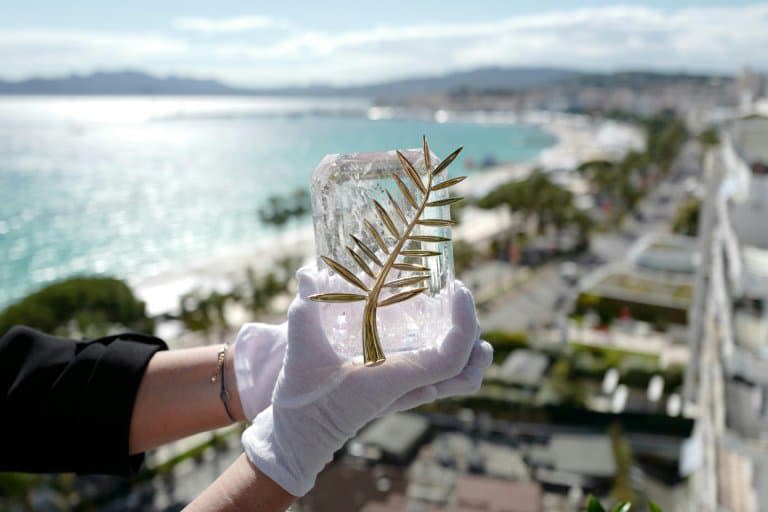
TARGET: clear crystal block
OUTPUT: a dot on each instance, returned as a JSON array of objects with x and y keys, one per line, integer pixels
[{"x": 344, "y": 187}]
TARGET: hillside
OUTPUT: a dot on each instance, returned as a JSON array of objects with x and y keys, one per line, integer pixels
[{"x": 496, "y": 78}]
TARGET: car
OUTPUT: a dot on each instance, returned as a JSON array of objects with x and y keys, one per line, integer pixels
[{"x": 570, "y": 272}]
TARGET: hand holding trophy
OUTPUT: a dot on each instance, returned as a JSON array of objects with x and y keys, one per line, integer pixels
[{"x": 396, "y": 260}]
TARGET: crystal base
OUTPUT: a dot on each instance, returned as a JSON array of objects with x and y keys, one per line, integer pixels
[{"x": 345, "y": 189}]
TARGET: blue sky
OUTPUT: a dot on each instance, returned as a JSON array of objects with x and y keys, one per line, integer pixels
[{"x": 294, "y": 42}]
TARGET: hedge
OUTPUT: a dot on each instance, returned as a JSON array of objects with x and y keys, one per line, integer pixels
[
  {"x": 93, "y": 303},
  {"x": 609, "y": 309},
  {"x": 505, "y": 342}
]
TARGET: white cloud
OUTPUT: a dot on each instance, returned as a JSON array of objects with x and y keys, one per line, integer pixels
[
  {"x": 695, "y": 38},
  {"x": 47, "y": 52},
  {"x": 703, "y": 38},
  {"x": 88, "y": 41},
  {"x": 247, "y": 49},
  {"x": 226, "y": 25}
]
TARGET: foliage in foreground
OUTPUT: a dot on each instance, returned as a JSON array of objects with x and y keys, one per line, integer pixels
[
  {"x": 593, "y": 505},
  {"x": 84, "y": 305}
]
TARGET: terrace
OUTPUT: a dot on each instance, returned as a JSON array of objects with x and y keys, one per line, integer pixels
[{"x": 621, "y": 291}]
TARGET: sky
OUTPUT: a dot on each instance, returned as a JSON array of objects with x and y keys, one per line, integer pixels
[{"x": 341, "y": 43}]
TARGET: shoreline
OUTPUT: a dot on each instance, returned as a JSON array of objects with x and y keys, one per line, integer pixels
[
  {"x": 223, "y": 271},
  {"x": 578, "y": 138}
]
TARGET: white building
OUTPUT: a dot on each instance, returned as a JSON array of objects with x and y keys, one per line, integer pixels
[{"x": 728, "y": 375}]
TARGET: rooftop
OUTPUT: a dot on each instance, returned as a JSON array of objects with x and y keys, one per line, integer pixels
[
  {"x": 666, "y": 253},
  {"x": 617, "y": 282},
  {"x": 590, "y": 455},
  {"x": 363, "y": 486},
  {"x": 524, "y": 367},
  {"x": 430, "y": 482},
  {"x": 479, "y": 493},
  {"x": 395, "y": 435},
  {"x": 461, "y": 452}
]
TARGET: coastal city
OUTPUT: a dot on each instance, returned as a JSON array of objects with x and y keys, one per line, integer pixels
[
  {"x": 623, "y": 296},
  {"x": 612, "y": 234}
]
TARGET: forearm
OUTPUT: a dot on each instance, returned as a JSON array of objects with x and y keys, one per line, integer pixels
[
  {"x": 176, "y": 397},
  {"x": 242, "y": 487}
]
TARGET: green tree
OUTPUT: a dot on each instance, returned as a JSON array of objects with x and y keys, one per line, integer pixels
[
  {"x": 275, "y": 212},
  {"x": 195, "y": 312},
  {"x": 261, "y": 290},
  {"x": 82, "y": 305},
  {"x": 15, "y": 489},
  {"x": 504, "y": 343},
  {"x": 463, "y": 256},
  {"x": 665, "y": 134},
  {"x": 709, "y": 138},
  {"x": 279, "y": 210},
  {"x": 538, "y": 197},
  {"x": 568, "y": 390},
  {"x": 622, "y": 453},
  {"x": 619, "y": 182},
  {"x": 686, "y": 221}
]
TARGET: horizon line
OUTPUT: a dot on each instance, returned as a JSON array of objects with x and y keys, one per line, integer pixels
[{"x": 213, "y": 78}]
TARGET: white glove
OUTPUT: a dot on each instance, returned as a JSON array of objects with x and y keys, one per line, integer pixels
[
  {"x": 467, "y": 382},
  {"x": 321, "y": 399},
  {"x": 258, "y": 356},
  {"x": 259, "y": 353}
]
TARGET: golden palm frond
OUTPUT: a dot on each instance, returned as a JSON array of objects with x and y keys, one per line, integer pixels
[
  {"x": 339, "y": 297},
  {"x": 406, "y": 281},
  {"x": 406, "y": 192},
  {"x": 376, "y": 236},
  {"x": 410, "y": 267},
  {"x": 361, "y": 262},
  {"x": 429, "y": 238},
  {"x": 448, "y": 183},
  {"x": 402, "y": 296},
  {"x": 367, "y": 251},
  {"x": 372, "y": 352}
]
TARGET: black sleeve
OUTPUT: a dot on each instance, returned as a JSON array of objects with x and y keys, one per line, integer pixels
[{"x": 66, "y": 406}]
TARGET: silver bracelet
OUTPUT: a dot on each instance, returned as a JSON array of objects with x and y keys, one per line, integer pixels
[{"x": 223, "y": 391}]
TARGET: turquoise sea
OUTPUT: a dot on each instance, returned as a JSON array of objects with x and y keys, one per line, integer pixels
[{"x": 134, "y": 186}]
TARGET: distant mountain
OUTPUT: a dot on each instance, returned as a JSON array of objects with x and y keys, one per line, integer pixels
[
  {"x": 123, "y": 82},
  {"x": 485, "y": 78},
  {"x": 637, "y": 79},
  {"x": 495, "y": 78},
  {"x": 133, "y": 82}
]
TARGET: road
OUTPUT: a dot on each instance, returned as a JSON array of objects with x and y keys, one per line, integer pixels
[
  {"x": 539, "y": 300},
  {"x": 529, "y": 304}
]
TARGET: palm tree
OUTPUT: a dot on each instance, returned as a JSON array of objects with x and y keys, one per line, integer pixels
[
  {"x": 538, "y": 197},
  {"x": 279, "y": 210},
  {"x": 275, "y": 213}
]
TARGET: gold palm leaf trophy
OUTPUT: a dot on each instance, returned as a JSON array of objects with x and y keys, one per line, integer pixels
[{"x": 383, "y": 251}]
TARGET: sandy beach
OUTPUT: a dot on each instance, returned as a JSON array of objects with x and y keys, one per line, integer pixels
[{"x": 578, "y": 139}]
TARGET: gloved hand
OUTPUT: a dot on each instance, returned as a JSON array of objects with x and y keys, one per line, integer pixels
[
  {"x": 258, "y": 356},
  {"x": 321, "y": 400},
  {"x": 259, "y": 351}
]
